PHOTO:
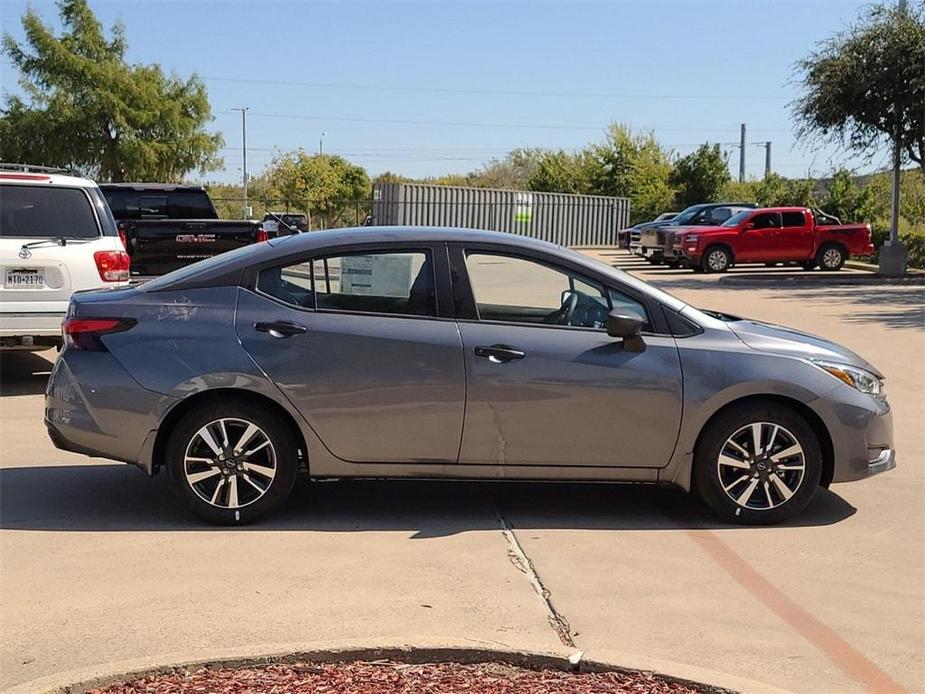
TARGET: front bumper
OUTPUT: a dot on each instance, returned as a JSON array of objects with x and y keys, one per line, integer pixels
[{"x": 861, "y": 430}]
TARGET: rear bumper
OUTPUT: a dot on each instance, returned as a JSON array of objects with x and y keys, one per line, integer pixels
[
  {"x": 33, "y": 324},
  {"x": 94, "y": 407}
]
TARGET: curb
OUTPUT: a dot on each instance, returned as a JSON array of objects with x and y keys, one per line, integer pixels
[
  {"x": 82, "y": 680},
  {"x": 823, "y": 280}
]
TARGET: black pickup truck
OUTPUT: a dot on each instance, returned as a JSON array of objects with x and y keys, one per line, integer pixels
[{"x": 166, "y": 226}]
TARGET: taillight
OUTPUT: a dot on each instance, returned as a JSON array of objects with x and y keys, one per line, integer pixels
[
  {"x": 261, "y": 234},
  {"x": 113, "y": 266},
  {"x": 85, "y": 333}
]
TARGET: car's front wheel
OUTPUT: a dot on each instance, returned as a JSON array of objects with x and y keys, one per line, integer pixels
[
  {"x": 231, "y": 462},
  {"x": 757, "y": 464},
  {"x": 716, "y": 259}
]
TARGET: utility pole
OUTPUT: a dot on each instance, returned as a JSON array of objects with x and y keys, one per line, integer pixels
[
  {"x": 321, "y": 142},
  {"x": 767, "y": 156},
  {"x": 742, "y": 154},
  {"x": 244, "y": 110},
  {"x": 893, "y": 255}
]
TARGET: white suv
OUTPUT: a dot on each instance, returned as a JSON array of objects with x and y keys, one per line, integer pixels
[{"x": 57, "y": 236}]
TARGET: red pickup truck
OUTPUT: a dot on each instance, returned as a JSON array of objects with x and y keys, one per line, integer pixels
[{"x": 773, "y": 235}]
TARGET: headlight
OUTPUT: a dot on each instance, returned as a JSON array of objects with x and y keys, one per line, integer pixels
[{"x": 857, "y": 378}]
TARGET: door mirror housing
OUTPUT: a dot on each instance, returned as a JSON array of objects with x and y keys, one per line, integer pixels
[
  {"x": 748, "y": 226},
  {"x": 629, "y": 328}
]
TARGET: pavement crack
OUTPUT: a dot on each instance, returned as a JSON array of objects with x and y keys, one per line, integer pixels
[{"x": 523, "y": 563}]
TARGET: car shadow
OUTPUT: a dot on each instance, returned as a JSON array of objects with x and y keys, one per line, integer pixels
[
  {"x": 104, "y": 498},
  {"x": 25, "y": 373}
]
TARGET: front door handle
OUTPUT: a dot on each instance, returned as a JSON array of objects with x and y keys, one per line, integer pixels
[
  {"x": 499, "y": 354},
  {"x": 280, "y": 328}
]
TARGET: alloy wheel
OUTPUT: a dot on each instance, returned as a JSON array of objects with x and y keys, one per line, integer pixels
[
  {"x": 831, "y": 258},
  {"x": 717, "y": 261},
  {"x": 761, "y": 466},
  {"x": 230, "y": 463}
]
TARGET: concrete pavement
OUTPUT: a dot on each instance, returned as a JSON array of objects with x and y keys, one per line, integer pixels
[{"x": 97, "y": 565}]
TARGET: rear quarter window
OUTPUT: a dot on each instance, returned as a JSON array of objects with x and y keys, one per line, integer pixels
[{"x": 41, "y": 212}]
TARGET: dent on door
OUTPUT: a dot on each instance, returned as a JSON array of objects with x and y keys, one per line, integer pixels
[{"x": 373, "y": 388}]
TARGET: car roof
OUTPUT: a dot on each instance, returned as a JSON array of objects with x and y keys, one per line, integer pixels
[
  {"x": 44, "y": 179},
  {"x": 150, "y": 186}
]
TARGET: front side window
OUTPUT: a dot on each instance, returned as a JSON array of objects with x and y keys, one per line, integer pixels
[
  {"x": 766, "y": 220},
  {"x": 397, "y": 283},
  {"x": 517, "y": 290}
]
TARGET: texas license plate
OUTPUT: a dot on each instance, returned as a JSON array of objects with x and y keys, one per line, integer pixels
[{"x": 24, "y": 279}]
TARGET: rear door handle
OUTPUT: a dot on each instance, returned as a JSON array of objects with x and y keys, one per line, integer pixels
[
  {"x": 281, "y": 328},
  {"x": 499, "y": 354}
]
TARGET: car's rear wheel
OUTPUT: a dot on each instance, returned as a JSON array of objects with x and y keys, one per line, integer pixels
[
  {"x": 231, "y": 462},
  {"x": 757, "y": 464},
  {"x": 716, "y": 259},
  {"x": 831, "y": 257}
]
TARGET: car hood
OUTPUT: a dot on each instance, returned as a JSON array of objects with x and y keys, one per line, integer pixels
[
  {"x": 700, "y": 229},
  {"x": 766, "y": 337}
]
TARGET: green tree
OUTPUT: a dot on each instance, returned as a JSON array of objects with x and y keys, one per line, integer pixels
[
  {"x": 699, "y": 176},
  {"x": 846, "y": 199},
  {"x": 562, "y": 172},
  {"x": 86, "y": 108},
  {"x": 867, "y": 84},
  {"x": 334, "y": 191},
  {"x": 633, "y": 165}
]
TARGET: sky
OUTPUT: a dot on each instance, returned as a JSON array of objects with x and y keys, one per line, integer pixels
[{"x": 430, "y": 88}]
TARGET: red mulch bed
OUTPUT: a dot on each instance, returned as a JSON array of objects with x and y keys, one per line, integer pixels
[{"x": 386, "y": 677}]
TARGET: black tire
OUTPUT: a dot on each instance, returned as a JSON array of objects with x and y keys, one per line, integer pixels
[
  {"x": 831, "y": 257},
  {"x": 808, "y": 265},
  {"x": 716, "y": 259},
  {"x": 673, "y": 264},
  {"x": 281, "y": 456},
  {"x": 711, "y": 478}
]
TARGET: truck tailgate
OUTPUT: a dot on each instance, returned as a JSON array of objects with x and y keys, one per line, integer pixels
[{"x": 161, "y": 246}]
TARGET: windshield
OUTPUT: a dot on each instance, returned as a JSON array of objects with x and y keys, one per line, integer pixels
[
  {"x": 736, "y": 219},
  {"x": 687, "y": 215},
  {"x": 40, "y": 212}
]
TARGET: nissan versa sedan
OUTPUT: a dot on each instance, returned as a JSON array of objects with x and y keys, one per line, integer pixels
[{"x": 450, "y": 353}]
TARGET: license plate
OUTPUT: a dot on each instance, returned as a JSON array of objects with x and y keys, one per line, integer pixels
[{"x": 24, "y": 279}]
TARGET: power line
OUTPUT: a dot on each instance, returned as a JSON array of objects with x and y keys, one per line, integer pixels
[{"x": 495, "y": 92}]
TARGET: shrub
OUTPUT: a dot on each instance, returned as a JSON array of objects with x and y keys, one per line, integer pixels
[{"x": 913, "y": 236}]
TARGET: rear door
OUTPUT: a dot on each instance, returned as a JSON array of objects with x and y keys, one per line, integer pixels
[
  {"x": 356, "y": 341},
  {"x": 796, "y": 235},
  {"x": 546, "y": 385}
]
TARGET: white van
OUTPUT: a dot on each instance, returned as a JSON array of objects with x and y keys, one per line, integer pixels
[{"x": 57, "y": 236}]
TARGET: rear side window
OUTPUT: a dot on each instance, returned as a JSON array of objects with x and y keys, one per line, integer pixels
[
  {"x": 158, "y": 204},
  {"x": 793, "y": 219},
  {"x": 40, "y": 212},
  {"x": 391, "y": 283}
]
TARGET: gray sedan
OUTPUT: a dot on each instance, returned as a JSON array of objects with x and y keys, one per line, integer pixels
[{"x": 448, "y": 353}]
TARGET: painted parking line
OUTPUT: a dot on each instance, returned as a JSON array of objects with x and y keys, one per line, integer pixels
[{"x": 842, "y": 654}]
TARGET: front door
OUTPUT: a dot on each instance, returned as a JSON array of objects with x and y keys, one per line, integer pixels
[
  {"x": 763, "y": 241},
  {"x": 355, "y": 343},
  {"x": 548, "y": 386}
]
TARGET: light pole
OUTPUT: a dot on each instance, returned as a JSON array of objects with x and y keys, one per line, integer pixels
[
  {"x": 321, "y": 142},
  {"x": 244, "y": 110},
  {"x": 893, "y": 255}
]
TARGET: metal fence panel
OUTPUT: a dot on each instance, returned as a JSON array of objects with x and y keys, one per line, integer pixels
[{"x": 568, "y": 220}]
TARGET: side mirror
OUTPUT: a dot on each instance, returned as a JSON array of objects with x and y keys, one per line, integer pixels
[
  {"x": 629, "y": 328},
  {"x": 748, "y": 226}
]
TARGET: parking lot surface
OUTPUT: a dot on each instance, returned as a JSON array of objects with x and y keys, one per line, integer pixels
[{"x": 98, "y": 565}]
